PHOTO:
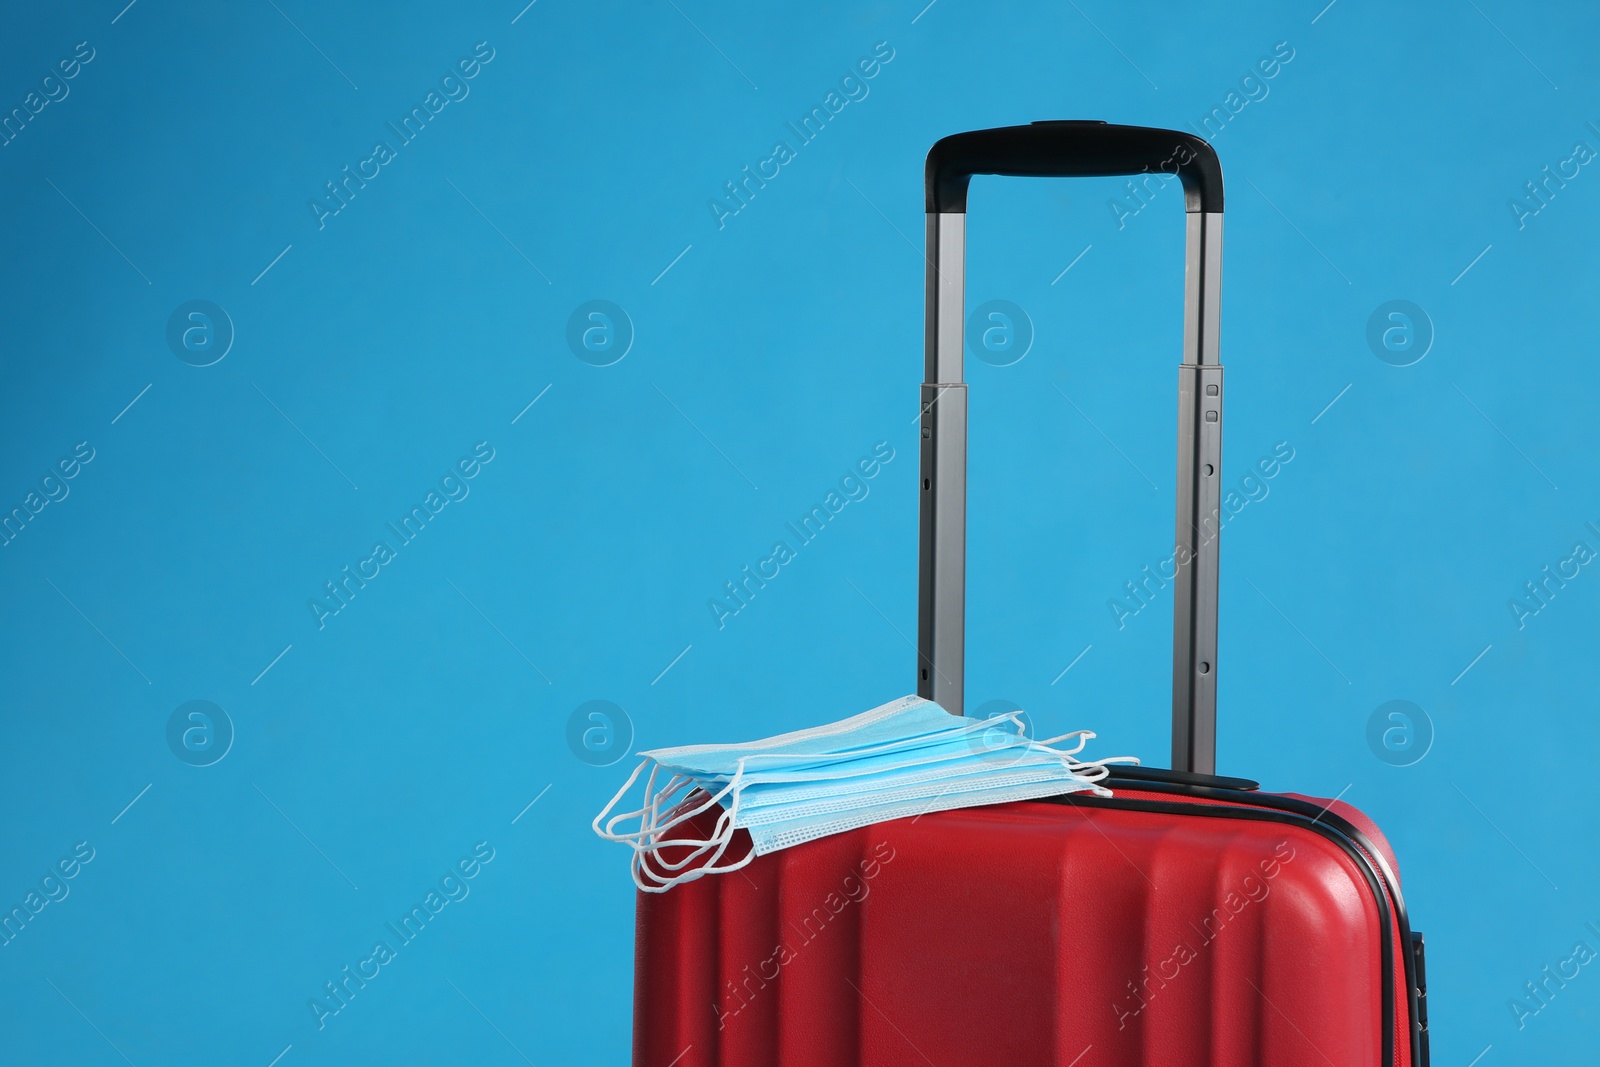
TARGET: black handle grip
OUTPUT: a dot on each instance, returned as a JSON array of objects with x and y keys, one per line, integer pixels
[{"x": 1072, "y": 149}]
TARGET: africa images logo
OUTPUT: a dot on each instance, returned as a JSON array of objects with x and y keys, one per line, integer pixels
[
  {"x": 853, "y": 87},
  {"x": 853, "y": 486},
  {"x": 453, "y": 88},
  {"x": 454, "y": 487},
  {"x": 453, "y": 887},
  {"x": 1252, "y": 889}
]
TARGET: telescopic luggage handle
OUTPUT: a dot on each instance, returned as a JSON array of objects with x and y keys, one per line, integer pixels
[{"x": 1074, "y": 149}]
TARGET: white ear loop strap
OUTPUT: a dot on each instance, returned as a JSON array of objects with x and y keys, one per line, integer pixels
[
  {"x": 648, "y": 843},
  {"x": 721, "y": 837},
  {"x": 648, "y": 837}
]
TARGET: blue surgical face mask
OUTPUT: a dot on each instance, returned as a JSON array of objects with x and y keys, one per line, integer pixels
[
  {"x": 900, "y": 724},
  {"x": 902, "y": 759},
  {"x": 952, "y": 770},
  {"x": 1003, "y": 788}
]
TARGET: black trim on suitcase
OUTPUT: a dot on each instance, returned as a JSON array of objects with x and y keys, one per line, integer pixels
[
  {"x": 1268, "y": 813},
  {"x": 1420, "y": 986},
  {"x": 1183, "y": 778},
  {"x": 1336, "y": 828}
]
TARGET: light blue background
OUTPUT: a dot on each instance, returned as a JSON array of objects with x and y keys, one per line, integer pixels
[{"x": 427, "y": 714}]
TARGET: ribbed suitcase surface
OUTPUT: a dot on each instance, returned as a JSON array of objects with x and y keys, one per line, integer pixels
[{"x": 1156, "y": 928}]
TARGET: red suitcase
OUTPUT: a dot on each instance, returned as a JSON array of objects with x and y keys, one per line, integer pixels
[{"x": 1188, "y": 919}]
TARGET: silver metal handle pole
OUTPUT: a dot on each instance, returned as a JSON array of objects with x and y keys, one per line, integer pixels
[
  {"x": 1194, "y": 618},
  {"x": 941, "y": 605},
  {"x": 942, "y": 591}
]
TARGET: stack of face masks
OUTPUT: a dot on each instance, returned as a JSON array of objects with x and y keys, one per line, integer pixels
[{"x": 906, "y": 758}]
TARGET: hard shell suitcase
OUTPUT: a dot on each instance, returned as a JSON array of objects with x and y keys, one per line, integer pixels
[{"x": 1188, "y": 919}]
